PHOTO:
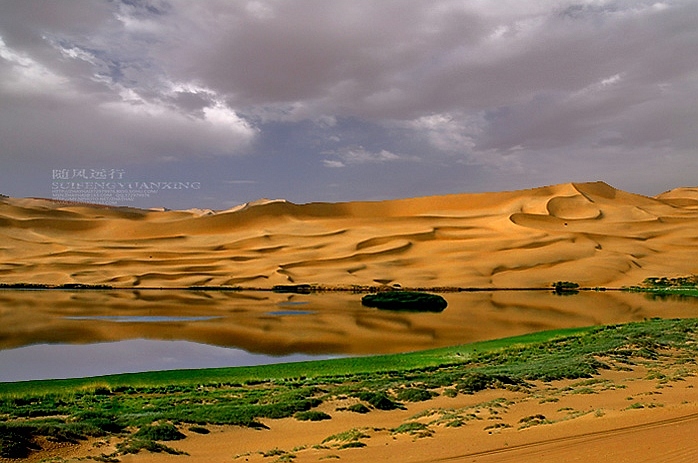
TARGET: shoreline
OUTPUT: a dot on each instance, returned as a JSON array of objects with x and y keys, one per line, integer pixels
[
  {"x": 312, "y": 288},
  {"x": 634, "y": 397}
]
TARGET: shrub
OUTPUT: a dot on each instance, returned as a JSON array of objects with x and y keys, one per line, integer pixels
[
  {"x": 161, "y": 432},
  {"x": 565, "y": 287},
  {"x": 533, "y": 420},
  {"x": 406, "y": 301},
  {"x": 93, "y": 423},
  {"x": 16, "y": 443},
  {"x": 359, "y": 408},
  {"x": 352, "y": 445},
  {"x": 134, "y": 446},
  {"x": 351, "y": 435},
  {"x": 413, "y": 427},
  {"x": 475, "y": 382},
  {"x": 312, "y": 415},
  {"x": 413, "y": 394},
  {"x": 378, "y": 400}
]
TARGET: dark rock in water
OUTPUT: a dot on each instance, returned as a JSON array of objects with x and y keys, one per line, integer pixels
[{"x": 406, "y": 301}]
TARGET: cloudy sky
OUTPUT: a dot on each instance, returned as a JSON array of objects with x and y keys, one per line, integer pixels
[{"x": 337, "y": 100}]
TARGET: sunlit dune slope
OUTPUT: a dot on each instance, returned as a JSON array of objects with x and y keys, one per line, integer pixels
[{"x": 590, "y": 233}]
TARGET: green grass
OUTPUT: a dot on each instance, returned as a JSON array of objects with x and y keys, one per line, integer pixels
[
  {"x": 178, "y": 380},
  {"x": 129, "y": 405},
  {"x": 312, "y": 415},
  {"x": 352, "y": 435},
  {"x": 412, "y": 427}
]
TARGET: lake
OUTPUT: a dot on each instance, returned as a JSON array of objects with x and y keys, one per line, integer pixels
[{"x": 61, "y": 334}]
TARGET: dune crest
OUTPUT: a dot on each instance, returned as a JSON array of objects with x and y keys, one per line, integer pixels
[{"x": 590, "y": 233}]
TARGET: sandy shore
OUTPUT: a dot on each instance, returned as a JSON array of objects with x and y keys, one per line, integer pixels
[
  {"x": 590, "y": 233},
  {"x": 622, "y": 415}
]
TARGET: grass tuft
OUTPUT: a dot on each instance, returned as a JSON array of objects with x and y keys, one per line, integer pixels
[{"x": 312, "y": 415}]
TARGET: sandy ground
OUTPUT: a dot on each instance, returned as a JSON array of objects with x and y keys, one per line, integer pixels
[
  {"x": 590, "y": 233},
  {"x": 622, "y": 415}
]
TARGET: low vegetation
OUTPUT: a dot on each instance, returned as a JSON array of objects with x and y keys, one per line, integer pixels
[
  {"x": 411, "y": 301},
  {"x": 663, "y": 287},
  {"x": 144, "y": 410},
  {"x": 68, "y": 286},
  {"x": 297, "y": 289},
  {"x": 679, "y": 282},
  {"x": 150, "y": 408},
  {"x": 565, "y": 287},
  {"x": 312, "y": 415}
]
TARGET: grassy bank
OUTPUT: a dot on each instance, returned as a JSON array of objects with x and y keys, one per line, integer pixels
[
  {"x": 283, "y": 371},
  {"x": 148, "y": 408},
  {"x": 662, "y": 288}
]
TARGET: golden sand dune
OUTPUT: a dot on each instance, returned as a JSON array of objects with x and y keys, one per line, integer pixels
[{"x": 590, "y": 233}]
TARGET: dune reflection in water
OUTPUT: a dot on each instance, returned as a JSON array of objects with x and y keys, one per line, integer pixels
[{"x": 273, "y": 326}]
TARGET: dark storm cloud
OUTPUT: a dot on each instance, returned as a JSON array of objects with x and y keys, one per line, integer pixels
[
  {"x": 502, "y": 85},
  {"x": 80, "y": 82}
]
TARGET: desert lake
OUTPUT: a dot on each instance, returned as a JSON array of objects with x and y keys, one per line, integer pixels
[{"x": 57, "y": 334}]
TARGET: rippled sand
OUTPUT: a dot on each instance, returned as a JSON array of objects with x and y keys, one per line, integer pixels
[{"x": 590, "y": 233}]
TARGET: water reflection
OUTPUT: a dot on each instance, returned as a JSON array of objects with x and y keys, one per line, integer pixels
[
  {"x": 140, "y": 318},
  {"x": 277, "y": 324},
  {"x": 46, "y": 361}
]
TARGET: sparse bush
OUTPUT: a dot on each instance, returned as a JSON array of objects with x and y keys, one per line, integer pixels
[
  {"x": 565, "y": 287},
  {"x": 352, "y": 435},
  {"x": 133, "y": 446},
  {"x": 413, "y": 427},
  {"x": 93, "y": 423},
  {"x": 406, "y": 301},
  {"x": 16, "y": 443},
  {"x": 378, "y": 400},
  {"x": 475, "y": 382},
  {"x": 159, "y": 432},
  {"x": 413, "y": 394},
  {"x": 359, "y": 408},
  {"x": 352, "y": 445},
  {"x": 533, "y": 420},
  {"x": 275, "y": 452},
  {"x": 312, "y": 415}
]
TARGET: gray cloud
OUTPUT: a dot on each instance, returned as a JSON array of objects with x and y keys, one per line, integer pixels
[
  {"x": 494, "y": 84},
  {"x": 358, "y": 155}
]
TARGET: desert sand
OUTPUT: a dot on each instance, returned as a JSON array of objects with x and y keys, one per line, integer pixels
[{"x": 590, "y": 233}]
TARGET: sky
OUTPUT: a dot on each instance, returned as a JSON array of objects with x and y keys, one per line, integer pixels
[{"x": 212, "y": 103}]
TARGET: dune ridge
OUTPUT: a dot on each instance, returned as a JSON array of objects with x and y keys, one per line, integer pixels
[{"x": 590, "y": 233}]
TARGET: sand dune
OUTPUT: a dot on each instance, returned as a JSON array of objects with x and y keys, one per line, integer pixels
[{"x": 591, "y": 233}]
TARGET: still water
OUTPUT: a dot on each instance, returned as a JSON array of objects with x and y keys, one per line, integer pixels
[{"x": 61, "y": 334}]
